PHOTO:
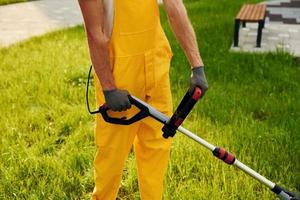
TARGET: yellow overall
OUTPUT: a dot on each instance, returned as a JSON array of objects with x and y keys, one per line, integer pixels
[{"x": 140, "y": 58}]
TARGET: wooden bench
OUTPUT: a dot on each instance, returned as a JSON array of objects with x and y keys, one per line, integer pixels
[{"x": 250, "y": 13}]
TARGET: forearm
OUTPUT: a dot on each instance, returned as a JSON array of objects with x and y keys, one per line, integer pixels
[
  {"x": 93, "y": 15},
  {"x": 100, "y": 58},
  {"x": 183, "y": 30}
]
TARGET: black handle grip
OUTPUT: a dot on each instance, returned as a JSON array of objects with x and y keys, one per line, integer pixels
[
  {"x": 144, "y": 112},
  {"x": 182, "y": 111}
]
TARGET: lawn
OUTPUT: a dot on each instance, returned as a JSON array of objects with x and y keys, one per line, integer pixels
[
  {"x": 4, "y": 2},
  {"x": 252, "y": 108}
]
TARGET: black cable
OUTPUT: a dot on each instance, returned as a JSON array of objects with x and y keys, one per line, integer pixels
[{"x": 87, "y": 93}]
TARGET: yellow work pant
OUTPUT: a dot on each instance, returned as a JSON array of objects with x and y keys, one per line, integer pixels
[{"x": 147, "y": 77}]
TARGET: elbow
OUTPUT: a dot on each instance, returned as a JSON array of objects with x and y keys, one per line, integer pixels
[
  {"x": 97, "y": 38},
  {"x": 175, "y": 9}
]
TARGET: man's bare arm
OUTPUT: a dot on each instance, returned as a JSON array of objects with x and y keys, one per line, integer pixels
[
  {"x": 183, "y": 30},
  {"x": 185, "y": 35},
  {"x": 93, "y": 14}
]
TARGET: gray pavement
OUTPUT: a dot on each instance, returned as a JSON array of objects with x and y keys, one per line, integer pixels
[
  {"x": 292, "y": 13},
  {"x": 276, "y": 37},
  {"x": 24, "y": 20},
  {"x": 281, "y": 32}
]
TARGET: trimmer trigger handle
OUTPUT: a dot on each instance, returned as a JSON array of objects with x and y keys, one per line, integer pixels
[{"x": 182, "y": 111}]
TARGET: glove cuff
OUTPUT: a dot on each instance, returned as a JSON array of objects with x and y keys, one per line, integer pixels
[
  {"x": 198, "y": 70},
  {"x": 200, "y": 66},
  {"x": 195, "y": 67},
  {"x": 108, "y": 92}
]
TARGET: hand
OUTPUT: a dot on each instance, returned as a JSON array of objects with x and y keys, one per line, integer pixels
[
  {"x": 198, "y": 79},
  {"x": 117, "y": 100}
]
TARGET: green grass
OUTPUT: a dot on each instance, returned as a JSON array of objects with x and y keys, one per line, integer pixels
[
  {"x": 5, "y": 2},
  {"x": 252, "y": 109}
]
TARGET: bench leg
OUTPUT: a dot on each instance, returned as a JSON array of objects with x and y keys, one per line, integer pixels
[
  {"x": 244, "y": 24},
  {"x": 236, "y": 33},
  {"x": 259, "y": 33}
]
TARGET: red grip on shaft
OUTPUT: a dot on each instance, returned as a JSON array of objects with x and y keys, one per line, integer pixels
[
  {"x": 224, "y": 155},
  {"x": 178, "y": 122},
  {"x": 197, "y": 94},
  {"x": 229, "y": 159}
]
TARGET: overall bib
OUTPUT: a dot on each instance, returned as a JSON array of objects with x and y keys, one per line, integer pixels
[{"x": 140, "y": 58}]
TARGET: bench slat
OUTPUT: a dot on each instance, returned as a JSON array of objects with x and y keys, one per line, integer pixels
[
  {"x": 256, "y": 13},
  {"x": 242, "y": 11},
  {"x": 252, "y": 12},
  {"x": 246, "y": 10}
]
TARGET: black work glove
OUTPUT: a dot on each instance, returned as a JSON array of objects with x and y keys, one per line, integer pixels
[
  {"x": 198, "y": 79},
  {"x": 117, "y": 100}
]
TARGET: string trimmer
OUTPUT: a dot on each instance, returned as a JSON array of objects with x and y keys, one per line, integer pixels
[{"x": 173, "y": 124}]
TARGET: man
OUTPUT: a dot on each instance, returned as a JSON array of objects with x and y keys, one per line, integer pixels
[{"x": 131, "y": 55}]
